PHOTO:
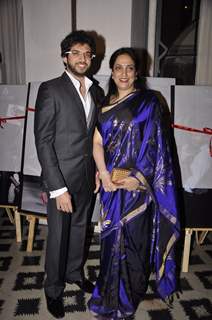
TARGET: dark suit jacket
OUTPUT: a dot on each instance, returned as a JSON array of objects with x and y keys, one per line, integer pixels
[{"x": 64, "y": 142}]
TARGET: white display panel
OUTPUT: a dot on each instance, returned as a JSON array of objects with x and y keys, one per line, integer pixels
[
  {"x": 12, "y": 104},
  {"x": 193, "y": 108},
  {"x": 31, "y": 163},
  {"x": 162, "y": 86}
]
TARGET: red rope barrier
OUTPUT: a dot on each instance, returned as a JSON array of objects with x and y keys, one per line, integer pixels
[
  {"x": 4, "y": 120},
  {"x": 31, "y": 109},
  {"x": 204, "y": 131}
]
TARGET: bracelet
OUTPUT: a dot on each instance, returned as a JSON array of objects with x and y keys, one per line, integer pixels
[{"x": 103, "y": 173}]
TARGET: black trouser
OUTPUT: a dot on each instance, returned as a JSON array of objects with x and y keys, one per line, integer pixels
[{"x": 66, "y": 242}]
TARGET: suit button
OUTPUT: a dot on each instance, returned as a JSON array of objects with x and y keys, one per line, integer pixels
[{"x": 85, "y": 155}]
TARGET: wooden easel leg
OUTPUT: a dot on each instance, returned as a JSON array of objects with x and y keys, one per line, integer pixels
[
  {"x": 197, "y": 238},
  {"x": 186, "y": 250},
  {"x": 18, "y": 226},
  {"x": 203, "y": 236},
  {"x": 31, "y": 233},
  {"x": 10, "y": 215}
]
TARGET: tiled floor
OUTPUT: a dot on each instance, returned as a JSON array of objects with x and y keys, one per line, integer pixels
[{"x": 22, "y": 276}]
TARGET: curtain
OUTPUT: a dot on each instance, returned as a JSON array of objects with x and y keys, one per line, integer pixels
[
  {"x": 12, "y": 42},
  {"x": 204, "y": 45}
]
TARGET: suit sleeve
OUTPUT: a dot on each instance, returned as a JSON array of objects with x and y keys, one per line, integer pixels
[{"x": 45, "y": 131}]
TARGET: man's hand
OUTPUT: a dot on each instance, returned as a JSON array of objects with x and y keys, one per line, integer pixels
[{"x": 63, "y": 202}]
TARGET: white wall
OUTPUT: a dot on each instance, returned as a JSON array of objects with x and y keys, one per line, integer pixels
[
  {"x": 110, "y": 19},
  {"x": 46, "y": 23}
]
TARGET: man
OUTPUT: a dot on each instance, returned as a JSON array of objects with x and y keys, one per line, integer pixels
[{"x": 65, "y": 117}]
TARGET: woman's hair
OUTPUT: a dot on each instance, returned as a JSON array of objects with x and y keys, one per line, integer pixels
[
  {"x": 112, "y": 88},
  {"x": 78, "y": 36}
]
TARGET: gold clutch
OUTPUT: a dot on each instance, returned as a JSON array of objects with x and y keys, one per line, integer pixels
[{"x": 119, "y": 174}]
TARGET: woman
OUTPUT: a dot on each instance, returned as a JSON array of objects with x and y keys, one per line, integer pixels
[{"x": 138, "y": 211}]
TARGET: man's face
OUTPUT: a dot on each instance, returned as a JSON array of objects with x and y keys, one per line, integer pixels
[{"x": 78, "y": 60}]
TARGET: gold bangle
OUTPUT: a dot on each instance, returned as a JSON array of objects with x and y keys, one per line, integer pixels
[{"x": 103, "y": 173}]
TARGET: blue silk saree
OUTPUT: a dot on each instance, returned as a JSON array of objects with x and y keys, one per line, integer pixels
[{"x": 139, "y": 228}]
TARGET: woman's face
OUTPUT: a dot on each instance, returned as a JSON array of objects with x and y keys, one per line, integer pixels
[{"x": 124, "y": 73}]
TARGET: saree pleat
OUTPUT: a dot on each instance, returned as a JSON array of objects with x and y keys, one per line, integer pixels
[{"x": 139, "y": 228}]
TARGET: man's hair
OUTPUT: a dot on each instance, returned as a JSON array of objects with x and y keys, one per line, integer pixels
[{"x": 79, "y": 36}]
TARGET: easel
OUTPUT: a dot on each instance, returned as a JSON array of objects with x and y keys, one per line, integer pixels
[
  {"x": 31, "y": 218},
  {"x": 15, "y": 219},
  {"x": 187, "y": 243}
]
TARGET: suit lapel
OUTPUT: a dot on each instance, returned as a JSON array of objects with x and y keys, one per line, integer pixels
[
  {"x": 93, "y": 108},
  {"x": 76, "y": 102},
  {"x": 91, "y": 115}
]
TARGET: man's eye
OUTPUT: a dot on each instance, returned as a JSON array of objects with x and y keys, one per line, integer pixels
[
  {"x": 88, "y": 55},
  {"x": 75, "y": 52}
]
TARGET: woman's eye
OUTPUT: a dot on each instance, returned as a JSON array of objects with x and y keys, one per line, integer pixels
[{"x": 117, "y": 68}]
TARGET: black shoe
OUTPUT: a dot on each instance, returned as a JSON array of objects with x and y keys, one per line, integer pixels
[
  {"x": 84, "y": 285},
  {"x": 55, "y": 307}
]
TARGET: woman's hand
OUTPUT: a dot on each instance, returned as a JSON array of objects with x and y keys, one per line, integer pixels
[
  {"x": 107, "y": 184},
  {"x": 97, "y": 182},
  {"x": 129, "y": 183}
]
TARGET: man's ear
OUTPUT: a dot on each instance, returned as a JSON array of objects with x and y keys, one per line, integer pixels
[{"x": 65, "y": 60}]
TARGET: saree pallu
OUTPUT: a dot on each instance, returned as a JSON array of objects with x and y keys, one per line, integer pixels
[{"x": 139, "y": 228}]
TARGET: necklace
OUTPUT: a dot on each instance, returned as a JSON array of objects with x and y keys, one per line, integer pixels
[
  {"x": 123, "y": 98},
  {"x": 111, "y": 105}
]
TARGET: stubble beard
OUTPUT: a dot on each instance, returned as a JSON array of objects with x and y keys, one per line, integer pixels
[{"x": 77, "y": 74}]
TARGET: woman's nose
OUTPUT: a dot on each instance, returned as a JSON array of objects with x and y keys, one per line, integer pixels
[{"x": 124, "y": 71}]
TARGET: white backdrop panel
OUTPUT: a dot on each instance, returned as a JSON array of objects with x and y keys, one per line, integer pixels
[
  {"x": 12, "y": 104},
  {"x": 193, "y": 108},
  {"x": 163, "y": 86},
  {"x": 31, "y": 163}
]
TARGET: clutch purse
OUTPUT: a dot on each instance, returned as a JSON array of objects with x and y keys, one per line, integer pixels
[{"x": 119, "y": 174}]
